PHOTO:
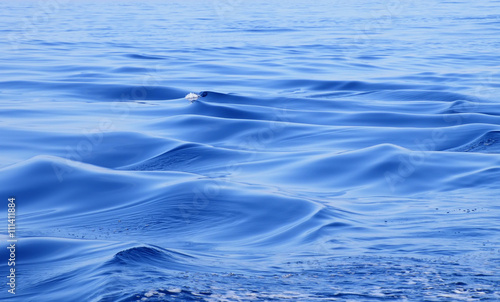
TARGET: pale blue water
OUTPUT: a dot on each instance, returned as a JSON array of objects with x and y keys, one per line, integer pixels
[{"x": 344, "y": 151}]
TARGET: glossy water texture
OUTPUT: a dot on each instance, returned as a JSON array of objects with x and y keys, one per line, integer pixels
[{"x": 342, "y": 150}]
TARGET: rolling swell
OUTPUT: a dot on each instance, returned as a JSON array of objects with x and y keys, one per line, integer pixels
[
  {"x": 249, "y": 179},
  {"x": 318, "y": 162},
  {"x": 230, "y": 175}
]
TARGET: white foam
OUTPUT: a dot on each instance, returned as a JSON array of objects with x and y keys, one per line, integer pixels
[{"x": 192, "y": 96}]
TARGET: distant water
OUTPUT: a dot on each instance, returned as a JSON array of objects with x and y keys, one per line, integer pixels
[{"x": 342, "y": 151}]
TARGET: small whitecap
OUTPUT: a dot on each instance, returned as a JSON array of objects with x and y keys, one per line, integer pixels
[{"x": 192, "y": 96}]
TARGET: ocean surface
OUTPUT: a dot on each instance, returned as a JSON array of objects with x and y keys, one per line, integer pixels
[{"x": 334, "y": 150}]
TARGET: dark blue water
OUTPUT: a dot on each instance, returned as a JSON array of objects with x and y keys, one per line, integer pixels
[{"x": 342, "y": 150}]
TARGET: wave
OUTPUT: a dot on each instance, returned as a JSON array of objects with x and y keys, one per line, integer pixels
[
  {"x": 486, "y": 143},
  {"x": 324, "y": 153}
]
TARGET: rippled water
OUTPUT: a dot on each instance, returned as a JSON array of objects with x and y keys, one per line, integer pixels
[{"x": 342, "y": 150}]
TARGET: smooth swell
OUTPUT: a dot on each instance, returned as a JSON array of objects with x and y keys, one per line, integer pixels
[{"x": 251, "y": 151}]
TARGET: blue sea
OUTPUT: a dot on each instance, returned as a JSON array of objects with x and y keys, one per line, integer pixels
[{"x": 231, "y": 150}]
